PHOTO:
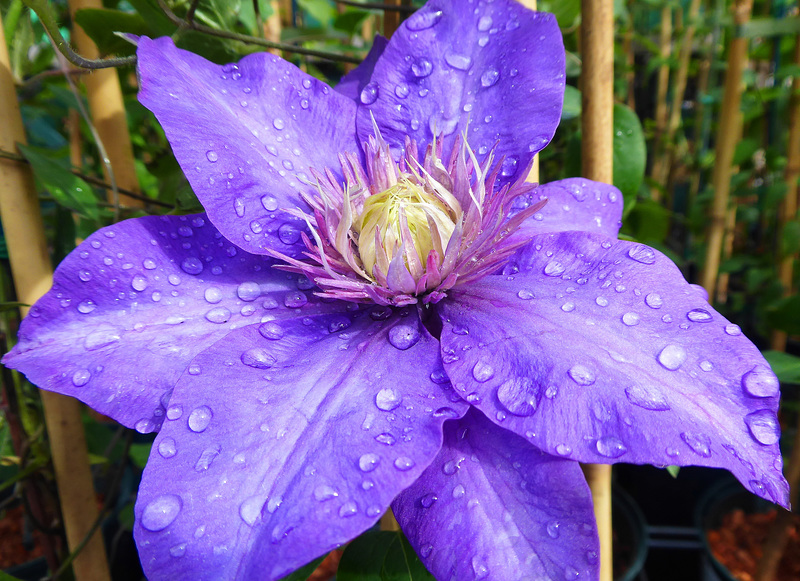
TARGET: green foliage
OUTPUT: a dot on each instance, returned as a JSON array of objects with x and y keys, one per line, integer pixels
[
  {"x": 785, "y": 366},
  {"x": 101, "y": 24},
  {"x": 381, "y": 556}
]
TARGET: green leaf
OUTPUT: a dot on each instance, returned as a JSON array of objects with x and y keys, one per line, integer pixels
[
  {"x": 304, "y": 572},
  {"x": 630, "y": 151},
  {"x": 673, "y": 470},
  {"x": 565, "y": 11},
  {"x": 381, "y": 556},
  {"x": 790, "y": 244},
  {"x": 785, "y": 366},
  {"x": 68, "y": 189},
  {"x": 351, "y": 21},
  {"x": 769, "y": 27},
  {"x": 320, "y": 10},
  {"x": 785, "y": 315},
  {"x": 139, "y": 453},
  {"x": 4, "y": 307},
  {"x": 572, "y": 103},
  {"x": 101, "y": 23}
]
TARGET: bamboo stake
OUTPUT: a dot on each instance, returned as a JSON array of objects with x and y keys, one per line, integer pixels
[
  {"x": 597, "y": 78},
  {"x": 664, "y": 50},
  {"x": 533, "y": 175},
  {"x": 30, "y": 265},
  {"x": 726, "y": 143},
  {"x": 788, "y": 210},
  {"x": 108, "y": 112},
  {"x": 272, "y": 26},
  {"x": 391, "y": 19}
]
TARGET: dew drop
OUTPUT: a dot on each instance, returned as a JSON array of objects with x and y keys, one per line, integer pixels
[
  {"x": 81, "y": 377},
  {"x": 733, "y": 330},
  {"x": 387, "y": 399},
  {"x": 218, "y": 315},
  {"x": 610, "y": 447},
  {"x": 672, "y": 357},
  {"x": 459, "y": 491},
  {"x": 428, "y": 500},
  {"x": 404, "y": 463},
  {"x": 368, "y": 462},
  {"x": 212, "y": 156},
  {"x": 699, "y": 316},
  {"x": 763, "y": 426},
  {"x": 699, "y": 443},
  {"x": 404, "y": 336},
  {"x": 553, "y": 529},
  {"x": 490, "y": 77},
  {"x": 760, "y": 382},
  {"x": 581, "y": 375},
  {"x": 200, "y": 418},
  {"x": 645, "y": 397},
  {"x": 563, "y": 450},
  {"x": 642, "y": 254},
  {"x": 278, "y": 123},
  {"x": 248, "y": 291},
  {"x": 161, "y": 512},
  {"x": 250, "y": 509},
  {"x": 568, "y": 307},
  {"x": 423, "y": 19},
  {"x": 295, "y": 299},
  {"x": 421, "y": 67},
  {"x": 654, "y": 301},
  {"x": 525, "y": 294},
  {"x": 630, "y": 319},
  {"x": 482, "y": 372},
  {"x": 258, "y": 358},
  {"x": 192, "y": 265},
  {"x": 167, "y": 447},
  {"x": 458, "y": 61},
  {"x": 348, "y": 509},
  {"x": 385, "y": 438},
  {"x": 213, "y": 295},
  {"x": 86, "y": 306},
  {"x": 324, "y": 492},
  {"x": 519, "y": 395},
  {"x": 369, "y": 94},
  {"x": 554, "y": 268}
]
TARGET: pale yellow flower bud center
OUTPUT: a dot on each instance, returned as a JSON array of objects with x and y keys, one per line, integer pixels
[{"x": 430, "y": 223}]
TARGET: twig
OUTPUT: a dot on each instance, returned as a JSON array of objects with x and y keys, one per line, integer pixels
[
  {"x": 185, "y": 25},
  {"x": 94, "y": 181},
  {"x": 40, "y": 8}
]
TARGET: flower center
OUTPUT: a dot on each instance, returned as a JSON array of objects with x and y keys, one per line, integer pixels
[{"x": 402, "y": 216}]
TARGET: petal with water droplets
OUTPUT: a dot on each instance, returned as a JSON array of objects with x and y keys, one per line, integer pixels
[
  {"x": 278, "y": 464},
  {"x": 246, "y": 135},
  {"x": 134, "y": 303},
  {"x": 491, "y": 505},
  {"x": 583, "y": 383},
  {"x": 499, "y": 80},
  {"x": 354, "y": 82}
]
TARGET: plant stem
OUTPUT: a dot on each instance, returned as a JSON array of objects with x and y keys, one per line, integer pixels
[
  {"x": 597, "y": 119},
  {"x": 726, "y": 143},
  {"x": 659, "y": 141}
]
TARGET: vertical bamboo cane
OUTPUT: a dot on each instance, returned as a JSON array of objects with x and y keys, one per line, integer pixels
[
  {"x": 391, "y": 19},
  {"x": 108, "y": 111},
  {"x": 788, "y": 209},
  {"x": 30, "y": 265},
  {"x": 533, "y": 175},
  {"x": 665, "y": 47},
  {"x": 726, "y": 143},
  {"x": 597, "y": 49},
  {"x": 272, "y": 26}
]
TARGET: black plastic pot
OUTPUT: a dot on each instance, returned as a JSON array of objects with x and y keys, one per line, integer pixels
[{"x": 630, "y": 535}]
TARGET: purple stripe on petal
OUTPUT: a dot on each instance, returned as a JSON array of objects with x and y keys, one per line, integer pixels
[
  {"x": 354, "y": 82},
  {"x": 246, "y": 135},
  {"x": 498, "y": 68},
  {"x": 492, "y": 506},
  {"x": 292, "y": 439},
  {"x": 599, "y": 351},
  {"x": 133, "y": 304},
  {"x": 572, "y": 204}
]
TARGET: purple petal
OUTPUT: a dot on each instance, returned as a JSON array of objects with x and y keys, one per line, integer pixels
[
  {"x": 599, "y": 351},
  {"x": 292, "y": 439},
  {"x": 572, "y": 204},
  {"x": 498, "y": 68},
  {"x": 354, "y": 82},
  {"x": 246, "y": 136},
  {"x": 493, "y": 506},
  {"x": 132, "y": 306}
]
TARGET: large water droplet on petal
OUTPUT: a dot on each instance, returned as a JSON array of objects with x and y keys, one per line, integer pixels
[
  {"x": 490, "y": 77},
  {"x": 248, "y": 291},
  {"x": 258, "y": 357},
  {"x": 81, "y": 377},
  {"x": 699, "y": 316},
  {"x": 610, "y": 447},
  {"x": 369, "y": 94},
  {"x": 642, "y": 254},
  {"x": 553, "y": 529},
  {"x": 764, "y": 427},
  {"x": 250, "y": 509},
  {"x": 699, "y": 443},
  {"x": 646, "y": 397},
  {"x": 271, "y": 330},
  {"x": 421, "y": 67},
  {"x": 423, "y": 19},
  {"x": 581, "y": 375},
  {"x": 404, "y": 336},
  {"x": 428, "y": 500},
  {"x": 482, "y": 371},
  {"x": 554, "y": 268},
  {"x": 387, "y": 399},
  {"x": 760, "y": 382},
  {"x": 200, "y": 418},
  {"x": 324, "y": 492},
  {"x": 672, "y": 357},
  {"x": 192, "y": 265},
  {"x": 519, "y": 395},
  {"x": 368, "y": 462},
  {"x": 167, "y": 447},
  {"x": 161, "y": 512},
  {"x": 404, "y": 463}
]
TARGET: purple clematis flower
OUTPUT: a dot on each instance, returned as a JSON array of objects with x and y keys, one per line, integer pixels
[{"x": 377, "y": 310}]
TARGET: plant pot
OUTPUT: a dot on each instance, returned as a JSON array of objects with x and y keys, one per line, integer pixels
[{"x": 630, "y": 537}]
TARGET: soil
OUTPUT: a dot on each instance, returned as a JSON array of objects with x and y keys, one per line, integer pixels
[
  {"x": 738, "y": 543},
  {"x": 12, "y": 550}
]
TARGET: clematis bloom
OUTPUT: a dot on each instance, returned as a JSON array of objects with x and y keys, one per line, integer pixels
[{"x": 378, "y": 311}]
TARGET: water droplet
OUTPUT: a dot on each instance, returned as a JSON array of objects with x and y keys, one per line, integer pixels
[
  {"x": 425, "y": 550},
  {"x": 568, "y": 307},
  {"x": 699, "y": 316},
  {"x": 484, "y": 23},
  {"x": 271, "y": 330},
  {"x": 369, "y": 94},
  {"x": 368, "y": 462},
  {"x": 519, "y": 395},
  {"x": 672, "y": 357},
  {"x": 552, "y": 529},
  {"x": 278, "y": 124},
  {"x": 160, "y": 512},
  {"x": 630, "y": 319},
  {"x": 86, "y": 306},
  {"x": 258, "y": 358},
  {"x": 760, "y": 382},
  {"x": 699, "y": 443},
  {"x": 706, "y": 365},
  {"x": 167, "y": 447},
  {"x": 423, "y": 19},
  {"x": 610, "y": 447},
  {"x": 218, "y": 315},
  {"x": 206, "y": 458},
  {"x": 601, "y": 301},
  {"x": 563, "y": 450},
  {"x": 174, "y": 412},
  {"x": 428, "y": 500},
  {"x": 654, "y": 301},
  {"x": 178, "y": 550},
  {"x": 250, "y": 509},
  {"x": 646, "y": 397},
  {"x": 212, "y": 156},
  {"x": 295, "y": 299},
  {"x": 764, "y": 427},
  {"x": 459, "y": 491},
  {"x": 404, "y": 336},
  {"x": 525, "y": 294},
  {"x": 421, "y": 67},
  {"x": 324, "y": 492},
  {"x": 200, "y": 418},
  {"x": 85, "y": 275},
  {"x": 554, "y": 268},
  {"x": 642, "y": 254},
  {"x": 581, "y": 375},
  {"x": 213, "y": 295},
  {"x": 571, "y": 573},
  {"x": 479, "y": 568},
  {"x": 248, "y": 291},
  {"x": 490, "y": 77},
  {"x": 733, "y": 330},
  {"x": 349, "y": 508},
  {"x": 509, "y": 166},
  {"x": 458, "y": 61},
  {"x": 385, "y": 438},
  {"x": 192, "y": 265},
  {"x": 387, "y": 399},
  {"x": 404, "y": 463},
  {"x": 81, "y": 377},
  {"x": 482, "y": 372}
]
